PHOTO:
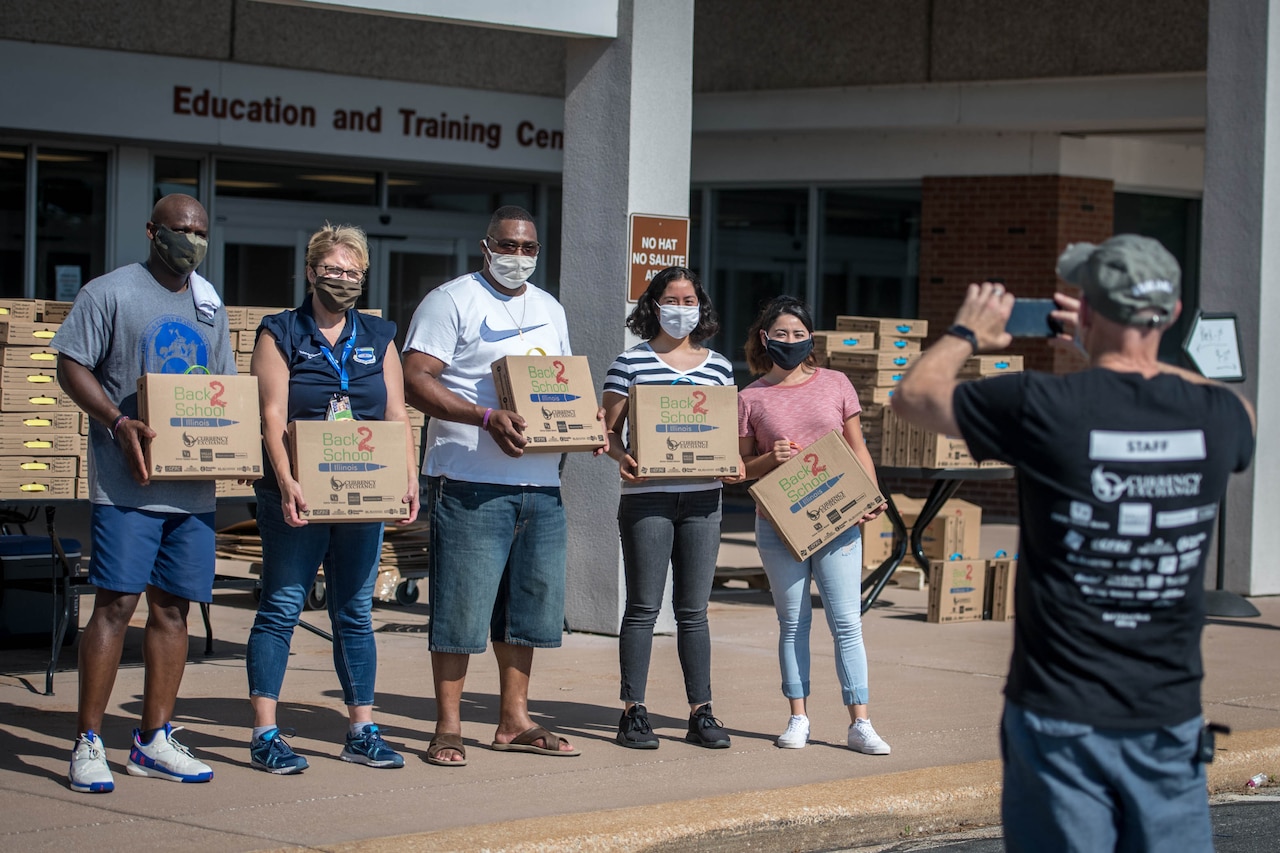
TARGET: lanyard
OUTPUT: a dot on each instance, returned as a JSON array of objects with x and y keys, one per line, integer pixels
[{"x": 341, "y": 366}]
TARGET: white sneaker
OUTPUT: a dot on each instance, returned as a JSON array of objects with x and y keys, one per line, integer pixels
[
  {"x": 89, "y": 773},
  {"x": 165, "y": 758},
  {"x": 863, "y": 738},
  {"x": 797, "y": 733}
]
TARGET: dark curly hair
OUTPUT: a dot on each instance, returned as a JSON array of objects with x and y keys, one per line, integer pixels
[
  {"x": 757, "y": 358},
  {"x": 643, "y": 319}
]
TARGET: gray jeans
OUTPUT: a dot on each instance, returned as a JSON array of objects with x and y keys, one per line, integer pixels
[{"x": 681, "y": 529}]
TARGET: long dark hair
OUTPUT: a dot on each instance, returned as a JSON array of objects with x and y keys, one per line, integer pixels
[
  {"x": 643, "y": 319},
  {"x": 757, "y": 358}
]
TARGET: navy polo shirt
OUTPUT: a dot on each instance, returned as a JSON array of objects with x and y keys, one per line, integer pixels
[{"x": 313, "y": 378}]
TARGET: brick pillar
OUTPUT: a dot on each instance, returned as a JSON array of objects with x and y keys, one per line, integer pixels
[{"x": 1014, "y": 228}]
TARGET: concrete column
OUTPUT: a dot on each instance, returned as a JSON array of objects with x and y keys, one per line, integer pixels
[
  {"x": 628, "y": 119},
  {"x": 1240, "y": 263}
]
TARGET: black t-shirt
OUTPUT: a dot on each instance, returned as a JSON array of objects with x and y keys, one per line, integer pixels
[{"x": 1119, "y": 479}]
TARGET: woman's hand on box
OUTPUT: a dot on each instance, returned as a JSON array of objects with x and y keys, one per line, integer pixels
[
  {"x": 739, "y": 477},
  {"x": 411, "y": 498},
  {"x": 292, "y": 504},
  {"x": 874, "y": 514}
]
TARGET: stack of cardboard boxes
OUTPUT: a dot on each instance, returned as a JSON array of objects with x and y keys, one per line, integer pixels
[
  {"x": 874, "y": 353},
  {"x": 43, "y": 435}
]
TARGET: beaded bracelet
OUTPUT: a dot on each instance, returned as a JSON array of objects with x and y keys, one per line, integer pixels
[
  {"x": 485, "y": 423},
  {"x": 116, "y": 426}
]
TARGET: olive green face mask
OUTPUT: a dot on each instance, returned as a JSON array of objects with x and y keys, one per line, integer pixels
[
  {"x": 338, "y": 294},
  {"x": 180, "y": 252}
]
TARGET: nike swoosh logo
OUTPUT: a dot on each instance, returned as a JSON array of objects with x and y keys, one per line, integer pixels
[{"x": 493, "y": 335}]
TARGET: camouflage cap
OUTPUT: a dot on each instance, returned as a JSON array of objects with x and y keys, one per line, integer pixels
[{"x": 1129, "y": 279}]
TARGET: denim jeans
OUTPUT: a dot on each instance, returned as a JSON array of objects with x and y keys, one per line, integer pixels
[
  {"x": 497, "y": 561},
  {"x": 1071, "y": 787},
  {"x": 291, "y": 556},
  {"x": 838, "y": 570},
  {"x": 681, "y": 529}
]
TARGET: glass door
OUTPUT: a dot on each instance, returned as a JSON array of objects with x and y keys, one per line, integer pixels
[
  {"x": 262, "y": 266},
  {"x": 401, "y": 272}
]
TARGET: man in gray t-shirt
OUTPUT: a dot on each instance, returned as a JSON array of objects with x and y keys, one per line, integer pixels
[{"x": 155, "y": 317}]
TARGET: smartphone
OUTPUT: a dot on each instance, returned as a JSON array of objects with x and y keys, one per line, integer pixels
[{"x": 1030, "y": 319}]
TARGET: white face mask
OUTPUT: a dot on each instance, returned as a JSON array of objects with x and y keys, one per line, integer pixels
[
  {"x": 511, "y": 271},
  {"x": 679, "y": 320}
]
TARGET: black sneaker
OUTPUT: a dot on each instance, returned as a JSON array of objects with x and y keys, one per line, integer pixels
[
  {"x": 634, "y": 731},
  {"x": 706, "y": 730}
]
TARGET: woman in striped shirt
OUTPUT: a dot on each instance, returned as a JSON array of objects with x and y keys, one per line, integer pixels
[{"x": 663, "y": 522}]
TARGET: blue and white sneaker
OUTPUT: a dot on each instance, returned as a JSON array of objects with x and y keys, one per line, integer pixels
[
  {"x": 272, "y": 754},
  {"x": 369, "y": 748},
  {"x": 165, "y": 758},
  {"x": 89, "y": 773}
]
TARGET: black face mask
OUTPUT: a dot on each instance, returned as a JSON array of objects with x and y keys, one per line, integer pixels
[{"x": 788, "y": 356}]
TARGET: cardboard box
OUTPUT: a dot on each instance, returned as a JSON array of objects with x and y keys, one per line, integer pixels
[
  {"x": 956, "y": 590},
  {"x": 34, "y": 399},
  {"x": 897, "y": 343},
  {"x": 21, "y": 467},
  {"x": 351, "y": 470},
  {"x": 816, "y": 495},
  {"x": 38, "y": 488},
  {"x": 875, "y": 378},
  {"x": 891, "y": 326},
  {"x": 52, "y": 311},
  {"x": 244, "y": 361},
  {"x": 208, "y": 426},
  {"x": 990, "y": 365},
  {"x": 944, "y": 451},
  {"x": 1001, "y": 574},
  {"x": 956, "y": 529},
  {"x": 37, "y": 376},
  {"x": 236, "y": 317},
  {"x": 26, "y": 332},
  {"x": 37, "y": 443},
  {"x": 20, "y": 309},
  {"x": 684, "y": 430},
  {"x": 877, "y": 534},
  {"x": 253, "y": 315},
  {"x": 865, "y": 362},
  {"x": 17, "y": 356},
  {"x": 233, "y": 489},
  {"x": 827, "y": 342},
  {"x": 556, "y": 397},
  {"x": 244, "y": 341},
  {"x": 41, "y": 423}
]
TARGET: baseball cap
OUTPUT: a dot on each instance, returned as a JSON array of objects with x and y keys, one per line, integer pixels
[{"x": 1124, "y": 276}]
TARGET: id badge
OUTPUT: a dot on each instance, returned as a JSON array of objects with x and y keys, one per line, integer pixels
[{"x": 339, "y": 409}]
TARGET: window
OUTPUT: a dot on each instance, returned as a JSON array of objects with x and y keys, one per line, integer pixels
[
  {"x": 456, "y": 194},
  {"x": 869, "y": 249},
  {"x": 1175, "y": 222},
  {"x": 13, "y": 219},
  {"x": 176, "y": 175},
  {"x": 71, "y": 221},
  {"x": 237, "y": 179}
]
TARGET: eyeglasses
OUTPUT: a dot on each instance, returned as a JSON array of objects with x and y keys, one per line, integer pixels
[
  {"x": 339, "y": 272},
  {"x": 513, "y": 247}
]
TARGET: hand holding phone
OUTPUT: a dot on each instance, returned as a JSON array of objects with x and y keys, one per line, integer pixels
[{"x": 1031, "y": 319}]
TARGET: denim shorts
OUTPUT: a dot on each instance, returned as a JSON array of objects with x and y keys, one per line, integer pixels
[
  {"x": 497, "y": 562},
  {"x": 134, "y": 548}
]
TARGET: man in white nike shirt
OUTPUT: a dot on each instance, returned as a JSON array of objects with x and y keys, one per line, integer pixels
[{"x": 498, "y": 534}]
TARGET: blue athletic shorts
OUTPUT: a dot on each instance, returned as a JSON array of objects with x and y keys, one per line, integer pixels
[{"x": 136, "y": 547}]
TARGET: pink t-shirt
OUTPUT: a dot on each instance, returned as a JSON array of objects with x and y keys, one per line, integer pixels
[{"x": 800, "y": 413}]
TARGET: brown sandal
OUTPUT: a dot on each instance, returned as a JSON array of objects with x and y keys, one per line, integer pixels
[
  {"x": 526, "y": 741},
  {"x": 442, "y": 742}
]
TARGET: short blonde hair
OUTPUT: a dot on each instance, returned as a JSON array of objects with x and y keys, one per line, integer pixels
[{"x": 332, "y": 237}]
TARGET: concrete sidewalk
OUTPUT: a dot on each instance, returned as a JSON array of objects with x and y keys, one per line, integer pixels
[{"x": 936, "y": 697}]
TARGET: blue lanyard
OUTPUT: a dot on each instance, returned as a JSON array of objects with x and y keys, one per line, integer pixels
[{"x": 341, "y": 366}]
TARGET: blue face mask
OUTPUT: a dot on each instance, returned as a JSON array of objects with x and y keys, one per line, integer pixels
[{"x": 786, "y": 355}]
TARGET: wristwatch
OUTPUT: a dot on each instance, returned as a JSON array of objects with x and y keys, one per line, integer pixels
[{"x": 964, "y": 333}]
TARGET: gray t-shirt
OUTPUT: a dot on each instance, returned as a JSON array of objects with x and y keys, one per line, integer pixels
[{"x": 125, "y": 324}]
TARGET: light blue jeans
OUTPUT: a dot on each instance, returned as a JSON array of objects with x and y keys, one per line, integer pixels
[
  {"x": 291, "y": 556},
  {"x": 838, "y": 570},
  {"x": 1074, "y": 788}
]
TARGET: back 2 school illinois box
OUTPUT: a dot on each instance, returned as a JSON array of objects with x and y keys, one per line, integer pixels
[
  {"x": 684, "y": 430},
  {"x": 816, "y": 495},
  {"x": 351, "y": 470},
  {"x": 555, "y": 396},
  {"x": 208, "y": 426}
]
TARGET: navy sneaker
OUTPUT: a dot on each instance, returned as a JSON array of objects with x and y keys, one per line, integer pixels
[
  {"x": 706, "y": 730},
  {"x": 370, "y": 749},
  {"x": 634, "y": 731},
  {"x": 272, "y": 754}
]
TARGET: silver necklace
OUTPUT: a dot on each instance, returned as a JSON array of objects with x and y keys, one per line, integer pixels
[{"x": 524, "y": 310}]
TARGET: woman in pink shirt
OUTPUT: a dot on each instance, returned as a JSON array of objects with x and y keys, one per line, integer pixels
[{"x": 791, "y": 405}]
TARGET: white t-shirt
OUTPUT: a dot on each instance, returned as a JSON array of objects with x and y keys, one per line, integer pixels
[
  {"x": 640, "y": 365},
  {"x": 468, "y": 325}
]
